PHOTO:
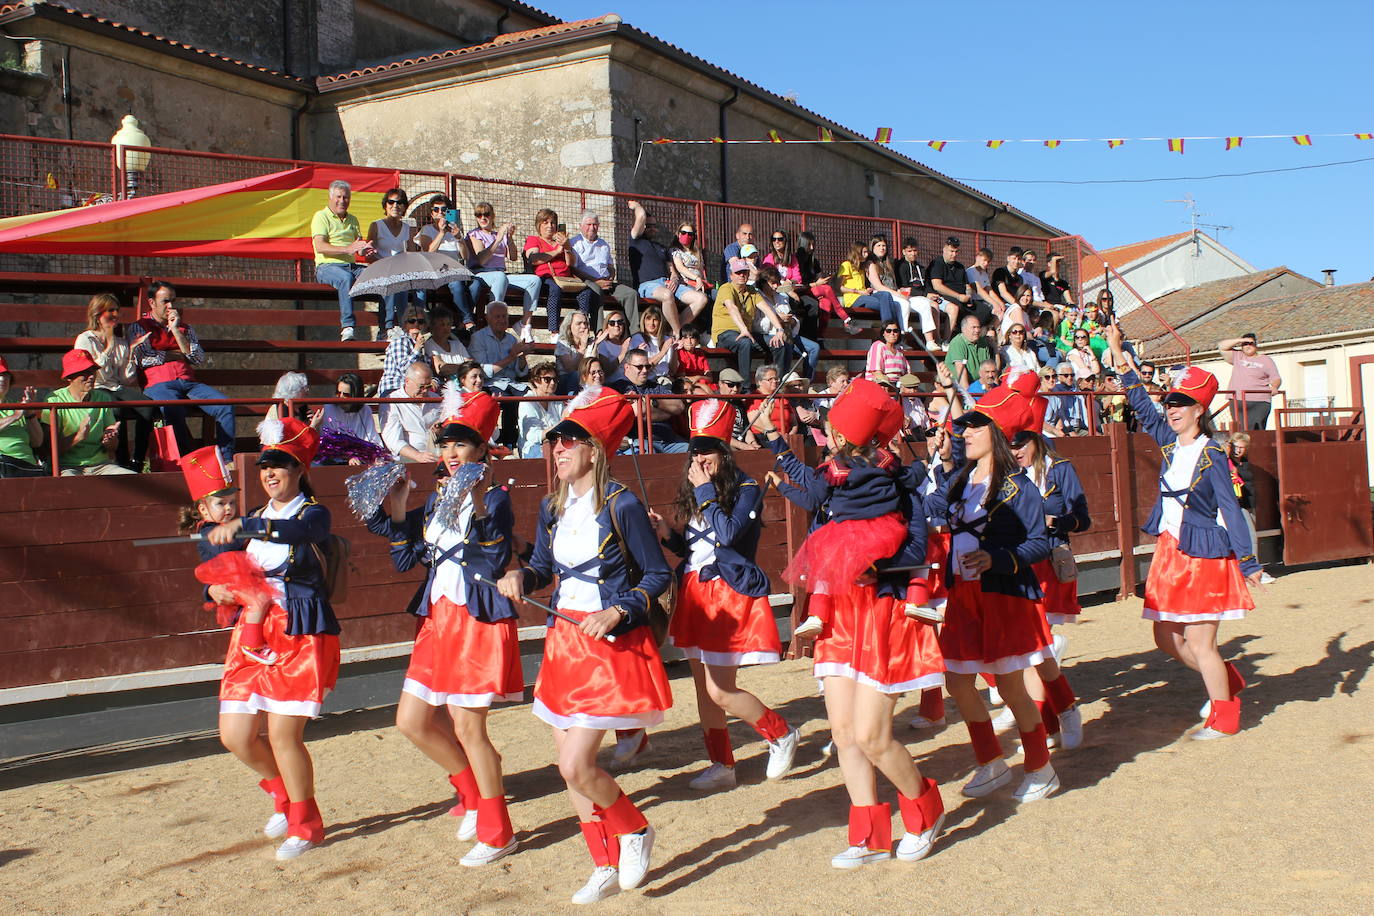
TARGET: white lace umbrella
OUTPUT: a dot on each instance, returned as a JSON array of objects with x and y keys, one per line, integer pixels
[{"x": 407, "y": 271}]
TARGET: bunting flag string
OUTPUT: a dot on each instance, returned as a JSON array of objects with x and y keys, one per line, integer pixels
[
  {"x": 1113, "y": 144},
  {"x": 1233, "y": 142},
  {"x": 883, "y": 135}
]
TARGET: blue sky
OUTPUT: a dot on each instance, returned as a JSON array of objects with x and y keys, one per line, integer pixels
[{"x": 1104, "y": 69}]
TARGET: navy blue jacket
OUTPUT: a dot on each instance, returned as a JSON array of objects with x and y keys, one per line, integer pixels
[
  {"x": 1065, "y": 501},
  {"x": 737, "y": 538},
  {"x": 1199, "y": 535},
  {"x": 308, "y": 611},
  {"x": 485, "y": 550},
  {"x": 614, "y": 581}
]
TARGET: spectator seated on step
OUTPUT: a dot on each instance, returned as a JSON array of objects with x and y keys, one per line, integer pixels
[
  {"x": 20, "y": 430},
  {"x": 403, "y": 349},
  {"x": 338, "y": 243},
  {"x": 637, "y": 382},
  {"x": 389, "y": 236},
  {"x": 444, "y": 234},
  {"x": 409, "y": 428},
  {"x": 491, "y": 245},
  {"x": 549, "y": 253},
  {"x": 595, "y": 264},
  {"x": 86, "y": 436}
]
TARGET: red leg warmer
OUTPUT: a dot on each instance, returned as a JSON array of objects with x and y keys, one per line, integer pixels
[
  {"x": 493, "y": 822},
  {"x": 819, "y": 606},
  {"x": 986, "y": 747},
  {"x": 919, "y": 814},
  {"x": 771, "y": 726},
  {"x": 859, "y": 826},
  {"x": 277, "y": 789},
  {"x": 933, "y": 703},
  {"x": 305, "y": 821},
  {"x": 465, "y": 787},
  {"x": 1049, "y": 719},
  {"x": 1225, "y": 716},
  {"x": 1036, "y": 748},
  {"x": 621, "y": 817},
  {"x": 252, "y": 636},
  {"x": 880, "y": 828},
  {"x": 1060, "y": 694},
  {"x": 718, "y": 749},
  {"x": 594, "y": 832},
  {"x": 1234, "y": 681}
]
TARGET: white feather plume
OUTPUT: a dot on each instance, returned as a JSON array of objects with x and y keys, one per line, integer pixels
[
  {"x": 453, "y": 399},
  {"x": 583, "y": 398},
  {"x": 270, "y": 432}
]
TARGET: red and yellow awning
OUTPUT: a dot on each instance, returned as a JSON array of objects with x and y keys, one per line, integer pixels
[{"x": 264, "y": 217}]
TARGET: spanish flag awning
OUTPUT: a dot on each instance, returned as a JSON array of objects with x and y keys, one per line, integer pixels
[{"x": 264, "y": 217}]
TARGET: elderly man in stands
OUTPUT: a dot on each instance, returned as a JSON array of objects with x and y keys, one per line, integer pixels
[
  {"x": 168, "y": 352},
  {"x": 596, "y": 266},
  {"x": 409, "y": 428},
  {"x": 338, "y": 241},
  {"x": 636, "y": 383},
  {"x": 968, "y": 350},
  {"x": 86, "y": 437},
  {"x": 502, "y": 358}
]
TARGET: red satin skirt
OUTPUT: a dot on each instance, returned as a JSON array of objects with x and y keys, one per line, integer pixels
[
  {"x": 461, "y": 661},
  {"x": 873, "y": 642},
  {"x": 1184, "y": 589},
  {"x": 1059, "y": 603},
  {"x": 307, "y": 668},
  {"x": 716, "y": 625},
  {"x": 992, "y": 632},
  {"x": 937, "y": 555},
  {"x": 592, "y": 683}
]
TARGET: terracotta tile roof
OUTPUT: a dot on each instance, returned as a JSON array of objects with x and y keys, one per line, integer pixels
[
  {"x": 59, "y": 12},
  {"x": 1325, "y": 310},
  {"x": 1179, "y": 309},
  {"x": 1120, "y": 256}
]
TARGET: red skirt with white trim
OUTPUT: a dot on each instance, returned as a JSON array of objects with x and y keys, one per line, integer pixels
[
  {"x": 1184, "y": 589},
  {"x": 716, "y": 625},
  {"x": 1059, "y": 603},
  {"x": 306, "y": 669},
  {"x": 592, "y": 683},
  {"x": 992, "y": 632},
  {"x": 461, "y": 661},
  {"x": 873, "y": 642}
]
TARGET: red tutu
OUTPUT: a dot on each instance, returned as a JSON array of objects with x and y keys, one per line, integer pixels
[
  {"x": 1059, "y": 603},
  {"x": 833, "y": 556},
  {"x": 237, "y": 571},
  {"x": 873, "y": 642},
  {"x": 715, "y": 624},
  {"x": 592, "y": 683},
  {"x": 1184, "y": 589},
  {"x": 461, "y": 661},
  {"x": 306, "y": 669},
  {"x": 992, "y": 632}
]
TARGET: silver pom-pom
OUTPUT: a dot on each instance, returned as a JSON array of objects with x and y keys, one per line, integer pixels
[
  {"x": 450, "y": 499},
  {"x": 367, "y": 490}
]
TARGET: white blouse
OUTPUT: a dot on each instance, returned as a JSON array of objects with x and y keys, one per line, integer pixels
[
  {"x": 701, "y": 551},
  {"x": 448, "y": 576},
  {"x": 577, "y": 539},
  {"x": 270, "y": 554},
  {"x": 965, "y": 542},
  {"x": 1178, "y": 477}
]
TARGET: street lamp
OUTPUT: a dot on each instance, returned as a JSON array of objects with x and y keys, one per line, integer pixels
[{"x": 134, "y": 162}]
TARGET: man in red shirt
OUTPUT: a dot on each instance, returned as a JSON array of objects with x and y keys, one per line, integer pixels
[
  {"x": 168, "y": 357},
  {"x": 1254, "y": 381}
]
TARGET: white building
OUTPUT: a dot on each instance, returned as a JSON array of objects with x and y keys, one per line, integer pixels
[{"x": 1160, "y": 266}]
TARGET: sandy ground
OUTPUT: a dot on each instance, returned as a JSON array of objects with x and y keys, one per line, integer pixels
[{"x": 1275, "y": 819}]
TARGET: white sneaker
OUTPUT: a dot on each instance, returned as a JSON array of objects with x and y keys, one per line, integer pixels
[
  {"x": 627, "y": 750},
  {"x": 482, "y": 854},
  {"x": 1204, "y": 711},
  {"x": 1070, "y": 728},
  {"x": 292, "y": 848},
  {"x": 1265, "y": 578},
  {"x": 276, "y": 826},
  {"x": 781, "y": 753},
  {"x": 634, "y": 857},
  {"x": 916, "y": 846},
  {"x": 810, "y": 628},
  {"x": 599, "y": 886},
  {"x": 987, "y": 779},
  {"x": 1037, "y": 785},
  {"x": 1004, "y": 720},
  {"x": 994, "y": 697},
  {"x": 346, "y": 334},
  {"x": 1057, "y": 646},
  {"x": 467, "y": 827},
  {"x": 855, "y": 856},
  {"x": 714, "y": 778},
  {"x": 919, "y": 721},
  {"x": 1209, "y": 734}
]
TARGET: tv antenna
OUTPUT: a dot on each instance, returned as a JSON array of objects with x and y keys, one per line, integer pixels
[{"x": 1193, "y": 214}]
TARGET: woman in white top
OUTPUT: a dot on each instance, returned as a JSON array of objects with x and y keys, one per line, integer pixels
[
  {"x": 444, "y": 351},
  {"x": 694, "y": 291},
  {"x": 391, "y": 235},
  {"x": 442, "y": 234},
  {"x": 117, "y": 373},
  {"x": 881, "y": 273},
  {"x": 1082, "y": 357},
  {"x": 576, "y": 341},
  {"x": 1017, "y": 315},
  {"x": 535, "y": 418},
  {"x": 354, "y": 419},
  {"x": 662, "y": 349},
  {"x": 1015, "y": 353},
  {"x": 613, "y": 342}
]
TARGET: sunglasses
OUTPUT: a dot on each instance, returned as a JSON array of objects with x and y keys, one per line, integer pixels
[
  {"x": 729, "y": 384},
  {"x": 567, "y": 442},
  {"x": 687, "y": 232},
  {"x": 416, "y": 321},
  {"x": 485, "y": 215},
  {"x": 637, "y": 366},
  {"x": 892, "y": 330},
  {"x": 779, "y": 238},
  {"x": 1014, "y": 333},
  {"x": 395, "y": 203},
  {"x": 544, "y": 379},
  {"x": 616, "y": 321}
]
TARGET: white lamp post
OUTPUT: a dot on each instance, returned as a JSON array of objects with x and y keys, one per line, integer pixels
[{"x": 134, "y": 162}]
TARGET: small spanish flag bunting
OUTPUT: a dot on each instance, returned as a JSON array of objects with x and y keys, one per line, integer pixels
[
  {"x": 662, "y": 140},
  {"x": 1052, "y": 144},
  {"x": 50, "y": 182},
  {"x": 1303, "y": 139},
  {"x": 1175, "y": 144},
  {"x": 994, "y": 144},
  {"x": 825, "y": 135},
  {"x": 774, "y": 137},
  {"x": 717, "y": 139},
  {"x": 884, "y": 135},
  {"x": 1113, "y": 144},
  {"x": 1233, "y": 142},
  {"x": 937, "y": 145},
  {"x": 1364, "y": 136}
]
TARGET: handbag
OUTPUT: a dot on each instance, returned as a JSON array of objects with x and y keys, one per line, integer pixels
[
  {"x": 1062, "y": 562},
  {"x": 569, "y": 284},
  {"x": 164, "y": 454}
]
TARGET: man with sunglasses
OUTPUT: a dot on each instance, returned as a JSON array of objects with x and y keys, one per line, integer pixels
[
  {"x": 636, "y": 384},
  {"x": 1066, "y": 415},
  {"x": 735, "y": 314},
  {"x": 595, "y": 264}
]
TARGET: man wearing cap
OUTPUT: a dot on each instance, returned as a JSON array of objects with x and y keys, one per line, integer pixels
[
  {"x": 1254, "y": 381},
  {"x": 86, "y": 437},
  {"x": 731, "y": 382},
  {"x": 917, "y": 420},
  {"x": 733, "y": 317}
]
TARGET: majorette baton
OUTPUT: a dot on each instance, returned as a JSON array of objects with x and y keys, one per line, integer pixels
[{"x": 483, "y": 580}]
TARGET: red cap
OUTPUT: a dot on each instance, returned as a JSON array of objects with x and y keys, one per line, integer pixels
[
  {"x": 859, "y": 411},
  {"x": 76, "y": 362},
  {"x": 712, "y": 419},
  {"x": 1005, "y": 407},
  {"x": 1196, "y": 384},
  {"x": 476, "y": 410},
  {"x": 4, "y": 366},
  {"x": 205, "y": 473},
  {"x": 604, "y": 414},
  {"x": 297, "y": 439}
]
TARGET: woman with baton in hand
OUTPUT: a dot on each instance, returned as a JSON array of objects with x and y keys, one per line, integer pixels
[{"x": 595, "y": 537}]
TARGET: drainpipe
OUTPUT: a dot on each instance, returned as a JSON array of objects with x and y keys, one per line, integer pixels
[
  {"x": 996, "y": 211},
  {"x": 724, "y": 148}
]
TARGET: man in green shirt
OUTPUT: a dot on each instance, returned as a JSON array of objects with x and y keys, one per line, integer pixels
[
  {"x": 968, "y": 351},
  {"x": 337, "y": 240},
  {"x": 86, "y": 436}
]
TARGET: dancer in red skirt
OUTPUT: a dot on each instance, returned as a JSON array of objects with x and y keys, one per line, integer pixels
[
  {"x": 997, "y": 523},
  {"x": 722, "y": 619},
  {"x": 467, "y": 653},
  {"x": 871, "y": 651},
  {"x": 595, "y": 537},
  {"x": 1200, "y": 569},
  {"x": 288, "y": 538}
]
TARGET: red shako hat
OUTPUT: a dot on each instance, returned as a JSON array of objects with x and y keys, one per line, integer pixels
[
  {"x": 1005, "y": 407},
  {"x": 4, "y": 366},
  {"x": 290, "y": 436},
  {"x": 859, "y": 411},
  {"x": 599, "y": 413},
  {"x": 712, "y": 425},
  {"x": 891, "y": 423},
  {"x": 1195, "y": 386},
  {"x": 76, "y": 362},
  {"x": 475, "y": 410},
  {"x": 206, "y": 474}
]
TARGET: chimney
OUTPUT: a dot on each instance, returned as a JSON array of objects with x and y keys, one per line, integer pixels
[{"x": 1330, "y": 276}]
